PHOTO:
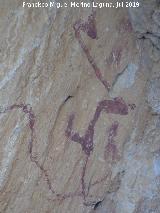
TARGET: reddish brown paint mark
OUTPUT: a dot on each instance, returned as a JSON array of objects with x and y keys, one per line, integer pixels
[
  {"x": 111, "y": 148},
  {"x": 88, "y": 27},
  {"x": 91, "y": 26},
  {"x": 115, "y": 56},
  {"x": 115, "y": 106},
  {"x": 113, "y": 132},
  {"x": 91, "y": 31},
  {"x": 27, "y": 110},
  {"x": 61, "y": 197}
]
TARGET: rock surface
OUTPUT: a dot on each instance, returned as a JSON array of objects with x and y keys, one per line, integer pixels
[{"x": 79, "y": 109}]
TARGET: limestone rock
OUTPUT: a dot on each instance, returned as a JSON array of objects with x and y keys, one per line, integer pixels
[
  {"x": 79, "y": 109},
  {"x": 154, "y": 95}
]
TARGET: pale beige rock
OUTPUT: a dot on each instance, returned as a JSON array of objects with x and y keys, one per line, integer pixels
[{"x": 42, "y": 64}]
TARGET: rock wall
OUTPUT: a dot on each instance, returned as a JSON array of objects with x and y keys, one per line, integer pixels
[{"x": 79, "y": 109}]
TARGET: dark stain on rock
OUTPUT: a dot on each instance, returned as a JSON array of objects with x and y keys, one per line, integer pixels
[{"x": 97, "y": 205}]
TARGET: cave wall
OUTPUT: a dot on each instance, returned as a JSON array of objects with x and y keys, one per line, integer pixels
[{"x": 79, "y": 109}]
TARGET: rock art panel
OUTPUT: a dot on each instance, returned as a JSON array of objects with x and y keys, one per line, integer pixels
[{"x": 79, "y": 110}]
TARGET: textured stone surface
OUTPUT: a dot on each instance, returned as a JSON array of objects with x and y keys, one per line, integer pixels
[
  {"x": 79, "y": 109},
  {"x": 154, "y": 95}
]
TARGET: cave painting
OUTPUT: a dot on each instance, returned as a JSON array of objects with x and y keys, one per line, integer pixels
[{"x": 114, "y": 106}]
